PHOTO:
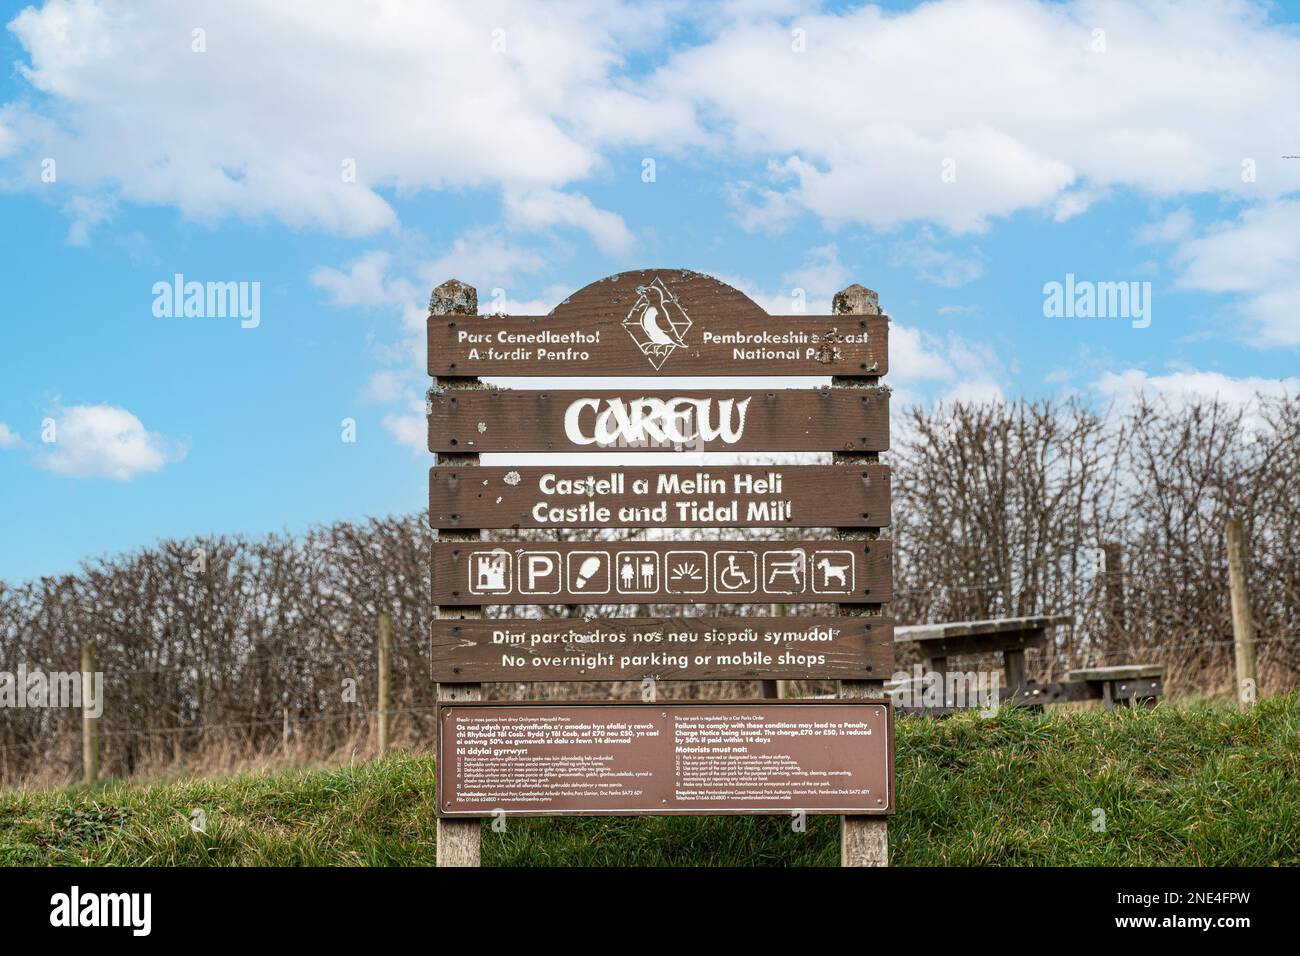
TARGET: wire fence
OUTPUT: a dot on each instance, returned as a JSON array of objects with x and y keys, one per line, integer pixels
[{"x": 355, "y": 712}]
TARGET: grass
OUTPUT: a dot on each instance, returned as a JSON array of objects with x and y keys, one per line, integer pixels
[{"x": 1199, "y": 785}]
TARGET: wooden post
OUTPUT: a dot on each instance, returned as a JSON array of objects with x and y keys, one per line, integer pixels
[
  {"x": 1243, "y": 624},
  {"x": 285, "y": 730},
  {"x": 864, "y": 841},
  {"x": 1108, "y": 695},
  {"x": 1113, "y": 576},
  {"x": 385, "y": 677},
  {"x": 784, "y": 688},
  {"x": 89, "y": 724},
  {"x": 1013, "y": 661},
  {"x": 458, "y": 839}
]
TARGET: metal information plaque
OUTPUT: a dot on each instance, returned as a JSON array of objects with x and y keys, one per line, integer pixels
[{"x": 670, "y": 757}]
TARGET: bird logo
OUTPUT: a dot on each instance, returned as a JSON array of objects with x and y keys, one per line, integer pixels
[{"x": 657, "y": 323}]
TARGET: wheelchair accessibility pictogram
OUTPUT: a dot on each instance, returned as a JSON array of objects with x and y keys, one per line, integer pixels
[{"x": 735, "y": 572}]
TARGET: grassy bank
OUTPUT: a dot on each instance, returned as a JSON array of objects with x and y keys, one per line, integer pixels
[{"x": 1195, "y": 786}]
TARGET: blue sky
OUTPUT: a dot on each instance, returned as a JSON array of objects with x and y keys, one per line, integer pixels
[{"x": 955, "y": 156}]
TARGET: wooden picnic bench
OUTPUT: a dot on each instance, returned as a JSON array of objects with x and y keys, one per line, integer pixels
[
  {"x": 1011, "y": 637},
  {"x": 1008, "y": 636}
]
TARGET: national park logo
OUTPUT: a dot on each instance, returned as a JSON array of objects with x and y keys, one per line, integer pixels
[{"x": 657, "y": 323}]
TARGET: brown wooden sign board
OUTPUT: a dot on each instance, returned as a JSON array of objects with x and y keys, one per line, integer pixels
[
  {"x": 658, "y": 322},
  {"x": 496, "y": 420},
  {"x": 677, "y": 648},
  {"x": 671, "y": 757},
  {"x": 662, "y": 572},
  {"x": 731, "y": 496}
]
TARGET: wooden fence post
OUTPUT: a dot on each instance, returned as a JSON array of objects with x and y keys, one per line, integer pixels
[
  {"x": 89, "y": 723},
  {"x": 1243, "y": 624},
  {"x": 1113, "y": 577},
  {"x": 385, "y": 677},
  {"x": 864, "y": 841},
  {"x": 458, "y": 839}
]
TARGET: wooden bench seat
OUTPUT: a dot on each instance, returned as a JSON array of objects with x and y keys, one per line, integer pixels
[
  {"x": 1118, "y": 672},
  {"x": 1133, "y": 684}
]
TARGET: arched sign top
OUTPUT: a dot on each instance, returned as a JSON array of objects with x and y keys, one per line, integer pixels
[
  {"x": 658, "y": 322},
  {"x": 695, "y": 292}
]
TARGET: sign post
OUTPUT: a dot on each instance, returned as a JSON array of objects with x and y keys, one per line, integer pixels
[
  {"x": 458, "y": 839},
  {"x": 661, "y": 757},
  {"x": 864, "y": 840}
]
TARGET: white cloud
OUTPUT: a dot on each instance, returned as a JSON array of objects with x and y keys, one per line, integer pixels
[
  {"x": 263, "y": 122},
  {"x": 8, "y": 437},
  {"x": 931, "y": 263},
  {"x": 1075, "y": 202},
  {"x": 482, "y": 257},
  {"x": 923, "y": 365},
  {"x": 105, "y": 441},
  {"x": 410, "y": 430},
  {"x": 1256, "y": 256},
  {"x": 363, "y": 283},
  {"x": 8, "y": 138},
  {"x": 1181, "y": 386},
  {"x": 86, "y": 212},
  {"x": 858, "y": 128},
  {"x": 540, "y": 209},
  {"x": 486, "y": 259},
  {"x": 389, "y": 385},
  {"x": 821, "y": 276},
  {"x": 1175, "y": 227}
]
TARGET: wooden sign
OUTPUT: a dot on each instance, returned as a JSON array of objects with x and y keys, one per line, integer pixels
[
  {"x": 728, "y": 496},
  {"x": 661, "y": 572},
  {"x": 658, "y": 322},
  {"x": 495, "y": 420},
  {"x": 678, "y": 648},
  {"x": 672, "y": 757}
]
